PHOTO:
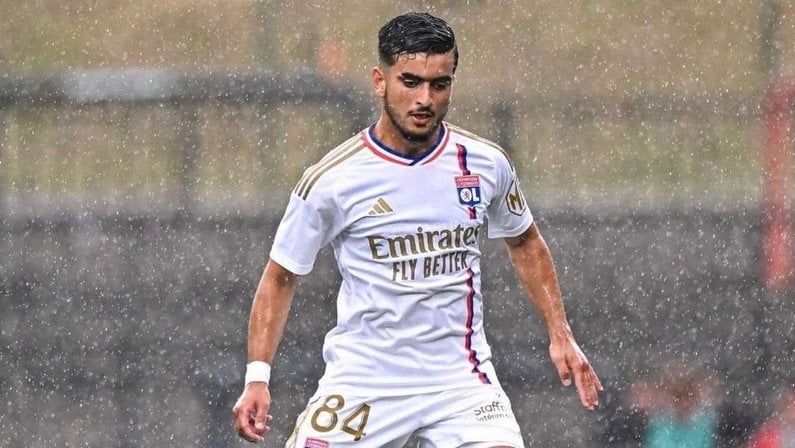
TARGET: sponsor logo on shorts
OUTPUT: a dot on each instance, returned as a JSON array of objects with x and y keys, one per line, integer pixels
[
  {"x": 492, "y": 411},
  {"x": 316, "y": 443}
]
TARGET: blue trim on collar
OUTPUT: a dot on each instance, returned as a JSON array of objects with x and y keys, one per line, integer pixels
[{"x": 414, "y": 160}]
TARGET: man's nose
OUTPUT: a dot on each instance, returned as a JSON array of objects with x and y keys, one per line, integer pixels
[{"x": 424, "y": 95}]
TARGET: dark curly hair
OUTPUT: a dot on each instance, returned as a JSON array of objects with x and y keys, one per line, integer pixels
[{"x": 415, "y": 32}]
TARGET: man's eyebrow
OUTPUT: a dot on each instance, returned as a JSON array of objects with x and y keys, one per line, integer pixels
[{"x": 413, "y": 77}]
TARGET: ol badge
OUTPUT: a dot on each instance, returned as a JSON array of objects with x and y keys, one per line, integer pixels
[{"x": 468, "y": 189}]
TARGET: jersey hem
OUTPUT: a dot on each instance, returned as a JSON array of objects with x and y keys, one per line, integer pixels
[{"x": 367, "y": 388}]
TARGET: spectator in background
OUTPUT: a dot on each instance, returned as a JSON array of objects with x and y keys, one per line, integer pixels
[
  {"x": 779, "y": 430},
  {"x": 680, "y": 410}
]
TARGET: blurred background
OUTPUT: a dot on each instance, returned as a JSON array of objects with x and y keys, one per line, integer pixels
[{"x": 147, "y": 150}]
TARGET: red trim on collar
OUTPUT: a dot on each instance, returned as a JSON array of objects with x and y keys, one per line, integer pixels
[{"x": 430, "y": 157}]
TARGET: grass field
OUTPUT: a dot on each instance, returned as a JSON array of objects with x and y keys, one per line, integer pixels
[{"x": 247, "y": 155}]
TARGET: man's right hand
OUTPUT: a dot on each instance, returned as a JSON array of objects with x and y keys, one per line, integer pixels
[{"x": 251, "y": 412}]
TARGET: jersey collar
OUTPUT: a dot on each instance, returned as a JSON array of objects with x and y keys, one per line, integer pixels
[{"x": 385, "y": 152}]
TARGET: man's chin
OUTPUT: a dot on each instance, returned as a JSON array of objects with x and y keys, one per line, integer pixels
[
  {"x": 417, "y": 138},
  {"x": 420, "y": 134}
]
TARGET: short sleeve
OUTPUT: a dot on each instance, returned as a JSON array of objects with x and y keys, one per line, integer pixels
[
  {"x": 508, "y": 212},
  {"x": 304, "y": 229}
]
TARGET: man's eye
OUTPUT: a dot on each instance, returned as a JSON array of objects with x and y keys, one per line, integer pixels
[
  {"x": 441, "y": 85},
  {"x": 411, "y": 82}
]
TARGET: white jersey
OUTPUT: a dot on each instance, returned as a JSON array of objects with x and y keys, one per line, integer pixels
[{"x": 405, "y": 235}]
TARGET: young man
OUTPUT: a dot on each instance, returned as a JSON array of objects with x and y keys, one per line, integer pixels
[{"x": 403, "y": 204}]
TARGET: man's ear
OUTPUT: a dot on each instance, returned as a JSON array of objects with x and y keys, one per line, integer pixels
[{"x": 379, "y": 82}]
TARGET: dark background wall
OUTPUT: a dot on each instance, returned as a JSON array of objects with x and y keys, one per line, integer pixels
[{"x": 129, "y": 330}]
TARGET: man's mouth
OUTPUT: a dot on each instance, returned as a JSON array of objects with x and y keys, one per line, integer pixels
[{"x": 421, "y": 118}]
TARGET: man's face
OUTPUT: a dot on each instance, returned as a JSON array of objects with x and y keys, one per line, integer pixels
[{"x": 416, "y": 93}]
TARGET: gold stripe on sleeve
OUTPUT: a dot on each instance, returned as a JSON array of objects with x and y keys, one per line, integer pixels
[
  {"x": 320, "y": 169},
  {"x": 310, "y": 176}
]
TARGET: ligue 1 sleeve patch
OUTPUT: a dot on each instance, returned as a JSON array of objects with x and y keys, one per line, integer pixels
[
  {"x": 468, "y": 189},
  {"x": 515, "y": 200}
]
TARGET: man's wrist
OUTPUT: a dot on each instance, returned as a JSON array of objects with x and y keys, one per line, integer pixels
[
  {"x": 258, "y": 371},
  {"x": 559, "y": 331}
]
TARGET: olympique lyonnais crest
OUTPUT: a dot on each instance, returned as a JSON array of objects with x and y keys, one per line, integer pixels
[{"x": 468, "y": 189}]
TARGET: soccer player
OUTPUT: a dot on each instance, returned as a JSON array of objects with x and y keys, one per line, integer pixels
[{"x": 403, "y": 204}]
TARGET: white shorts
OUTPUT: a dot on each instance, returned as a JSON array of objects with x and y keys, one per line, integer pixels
[{"x": 471, "y": 417}]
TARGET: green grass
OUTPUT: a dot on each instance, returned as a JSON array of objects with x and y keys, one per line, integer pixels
[
  {"x": 253, "y": 153},
  {"x": 118, "y": 155},
  {"x": 518, "y": 51}
]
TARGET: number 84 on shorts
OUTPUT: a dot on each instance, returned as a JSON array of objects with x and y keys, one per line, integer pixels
[{"x": 444, "y": 418}]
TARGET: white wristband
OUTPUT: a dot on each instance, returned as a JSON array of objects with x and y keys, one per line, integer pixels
[{"x": 258, "y": 371}]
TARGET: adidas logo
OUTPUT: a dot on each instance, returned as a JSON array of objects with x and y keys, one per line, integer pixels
[{"x": 381, "y": 207}]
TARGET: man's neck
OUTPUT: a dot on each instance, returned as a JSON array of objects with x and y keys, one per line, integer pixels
[{"x": 387, "y": 134}]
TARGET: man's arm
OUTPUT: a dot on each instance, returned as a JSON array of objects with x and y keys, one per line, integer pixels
[
  {"x": 269, "y": 313},
  {"x": 533, "y": 264}
]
